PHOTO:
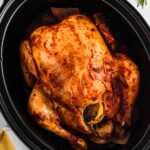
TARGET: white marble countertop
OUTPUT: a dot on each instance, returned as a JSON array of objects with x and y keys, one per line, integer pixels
[{"x": 145, "y": 12}]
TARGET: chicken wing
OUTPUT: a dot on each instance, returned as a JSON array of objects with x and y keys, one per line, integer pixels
[
  {"x": 130, "y": 77},
  {"x": 27, "y": 63},
  {"x": 105, "y": 31}
]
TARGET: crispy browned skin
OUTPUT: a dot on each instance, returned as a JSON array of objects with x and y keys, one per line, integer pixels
[
  {"x": 105, "y": 31},
  {"x": 44, "y": 113},
  {"x": 80, "y": 78},
  {"x": 27, "y": 63}
]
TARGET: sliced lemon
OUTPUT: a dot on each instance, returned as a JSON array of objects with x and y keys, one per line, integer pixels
[{"x": 5, "y": 141}]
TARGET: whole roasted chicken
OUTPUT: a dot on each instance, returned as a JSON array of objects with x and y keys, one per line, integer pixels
[{"x": 78, "y": 83}]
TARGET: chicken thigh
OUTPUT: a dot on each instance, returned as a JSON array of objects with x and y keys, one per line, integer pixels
[{"x": 78, "y": 82}]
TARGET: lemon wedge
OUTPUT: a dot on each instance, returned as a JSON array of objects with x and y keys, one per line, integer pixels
[{"x": 5, "y": 141}]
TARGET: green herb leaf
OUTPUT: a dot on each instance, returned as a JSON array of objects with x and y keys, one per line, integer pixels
[{"x": 142, "y": 2}]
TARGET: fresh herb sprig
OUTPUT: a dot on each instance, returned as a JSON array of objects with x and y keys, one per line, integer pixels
[{"x": 142, "y": 2}]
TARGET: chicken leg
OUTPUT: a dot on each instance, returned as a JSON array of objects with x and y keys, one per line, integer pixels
[{"x": 42, "y": 110}]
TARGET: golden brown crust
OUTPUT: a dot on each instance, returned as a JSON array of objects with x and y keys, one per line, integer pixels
[
  {"x": 27, "y": 63},
  {"x": 105, "y": 31},
  {"x": 42, "y": 110},
  {"x": 131, "y": 75},
  {"x": 65, "y": 56},
  {"x": 81, "y": 81}
]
